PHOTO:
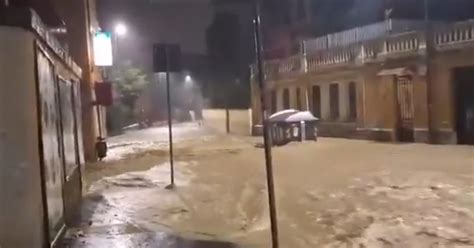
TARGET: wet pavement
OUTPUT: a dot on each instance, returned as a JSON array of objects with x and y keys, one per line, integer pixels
[
  {"x": 155, "y": 138},
  {"x": 105, "y": 225},
  {"x": 333, "y": 193},
  {"x": 142, "y": 239}
]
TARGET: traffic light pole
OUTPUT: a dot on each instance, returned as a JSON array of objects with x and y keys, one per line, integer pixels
[{"x": 266, "y": 131}]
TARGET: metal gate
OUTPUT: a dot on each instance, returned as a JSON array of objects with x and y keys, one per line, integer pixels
[
  {"x": 406, "y": 109},
  {"x": 52, "y": 166}
]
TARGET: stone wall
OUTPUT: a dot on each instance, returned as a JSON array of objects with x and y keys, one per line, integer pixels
[{"x": 239, "y": 120}]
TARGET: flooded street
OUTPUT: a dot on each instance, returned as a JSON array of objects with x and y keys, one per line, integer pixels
[{"x": 333, "y": 193}]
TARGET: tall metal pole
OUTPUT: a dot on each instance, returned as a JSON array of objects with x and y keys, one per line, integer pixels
[
  {"x": 170, "y": 121},
  {"x": 266, "y": 134},
  {"x": 115, "y": 47},
  {"x": 429, "y": 50}
]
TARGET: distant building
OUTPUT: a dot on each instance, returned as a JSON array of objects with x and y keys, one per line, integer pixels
[{"x": 285, "y": 24}]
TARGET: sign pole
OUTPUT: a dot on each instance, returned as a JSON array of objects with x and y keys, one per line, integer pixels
[
  {"x": 166, "y": 58},
  {"x": 266, "y": 134},
  {"x": 170, "y": 121}
]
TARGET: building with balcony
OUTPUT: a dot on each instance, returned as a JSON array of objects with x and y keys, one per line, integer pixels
[{"x": 389, "y": 81}]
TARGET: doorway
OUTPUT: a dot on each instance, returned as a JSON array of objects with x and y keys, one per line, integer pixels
[
  {"x": 464, "y": 104},
  {"x": 273, "y": 102},
  {"x": 286, "y": 98},
  {"x": 298, "y": 99},
  {"x": 316, "y": 100},
  {"x": 352, "y": 101},
  {"x": 406, "y": 110},
  {"x": 334, "y": 101}
]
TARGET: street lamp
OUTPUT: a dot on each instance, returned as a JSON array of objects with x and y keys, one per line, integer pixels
[
  {"x": 120, "y": 29},
  {"x": 188, "y": 79}
]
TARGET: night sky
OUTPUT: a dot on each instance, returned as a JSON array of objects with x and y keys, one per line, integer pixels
[
  {"x": 186, "y": 21},
  {"x": 151, "y": 21}
]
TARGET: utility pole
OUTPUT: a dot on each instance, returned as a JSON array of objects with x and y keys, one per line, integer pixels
[
  {"x": 266, "y": 132},
  {"x": 428, "y": 55},
  {"x": 170, "y": 116}
]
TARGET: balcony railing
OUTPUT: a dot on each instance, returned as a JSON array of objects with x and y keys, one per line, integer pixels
[
  {"x": 454, "y": 34},
  {"x": 362, "y": 34},
  {"x": 332, "y": 57},
  {"x": 408, "y": 42},
  {"x": 390, "y": 46},
  {"x": 290, "y": 65}
]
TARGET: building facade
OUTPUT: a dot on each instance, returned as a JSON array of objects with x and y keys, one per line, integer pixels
[
  {"x": 74, "y": 24},
  {"x": 41, "y": 149},
  {"x": 388, "y": 81},
  {"x": 81, "y": 23}
]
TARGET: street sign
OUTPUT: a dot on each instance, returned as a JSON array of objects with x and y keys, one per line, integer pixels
[
  {"x": 166, "y": 57},
  {"x": 103, "y": 93},
  {"x": 103, "y": 49}
]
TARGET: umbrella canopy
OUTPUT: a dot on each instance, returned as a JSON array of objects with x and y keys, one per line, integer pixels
[
  {"x": 301, "y": 116},
  {"x": 292, "y": 115},
  {"x": 282, "y": 115}
]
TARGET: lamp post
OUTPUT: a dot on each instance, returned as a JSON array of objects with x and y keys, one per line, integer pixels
[{"x": 120, "y": 30}]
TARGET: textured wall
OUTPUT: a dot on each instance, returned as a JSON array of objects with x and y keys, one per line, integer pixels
[
  {"x": 21, "y": 211},
  {"x": 239, "y": 120}
]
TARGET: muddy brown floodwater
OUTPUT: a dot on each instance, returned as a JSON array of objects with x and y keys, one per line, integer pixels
[{"x": 333, "y": 193}]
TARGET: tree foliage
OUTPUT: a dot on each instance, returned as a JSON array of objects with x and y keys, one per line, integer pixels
[{"x": 130, "y": 82}]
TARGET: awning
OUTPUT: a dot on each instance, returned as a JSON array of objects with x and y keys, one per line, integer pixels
[{"x": 402, "y": 71}]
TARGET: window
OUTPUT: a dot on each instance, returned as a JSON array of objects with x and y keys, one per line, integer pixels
[
  {"x": 273, "y": 103},
  {"x": 334, "y": 101},
  {"x": 298, "y": 98},
  {"x": 286, "y": 99},
  {"x": 316, "y": 100},
  {"x": 352, "y": 101}
]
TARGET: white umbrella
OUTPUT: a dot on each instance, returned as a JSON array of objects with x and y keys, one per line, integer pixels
[
  {"x": 301, "y": 116},
  {"x": 282, "y": 115}
]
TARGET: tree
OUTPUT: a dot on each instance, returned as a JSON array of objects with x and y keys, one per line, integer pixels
[{"x": 130, "y": 82}]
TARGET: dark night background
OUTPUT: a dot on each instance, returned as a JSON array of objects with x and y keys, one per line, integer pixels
[{"x": 216, "y": 35}]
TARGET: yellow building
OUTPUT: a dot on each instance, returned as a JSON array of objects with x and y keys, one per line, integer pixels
[{"x": 377, "y": 82}]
